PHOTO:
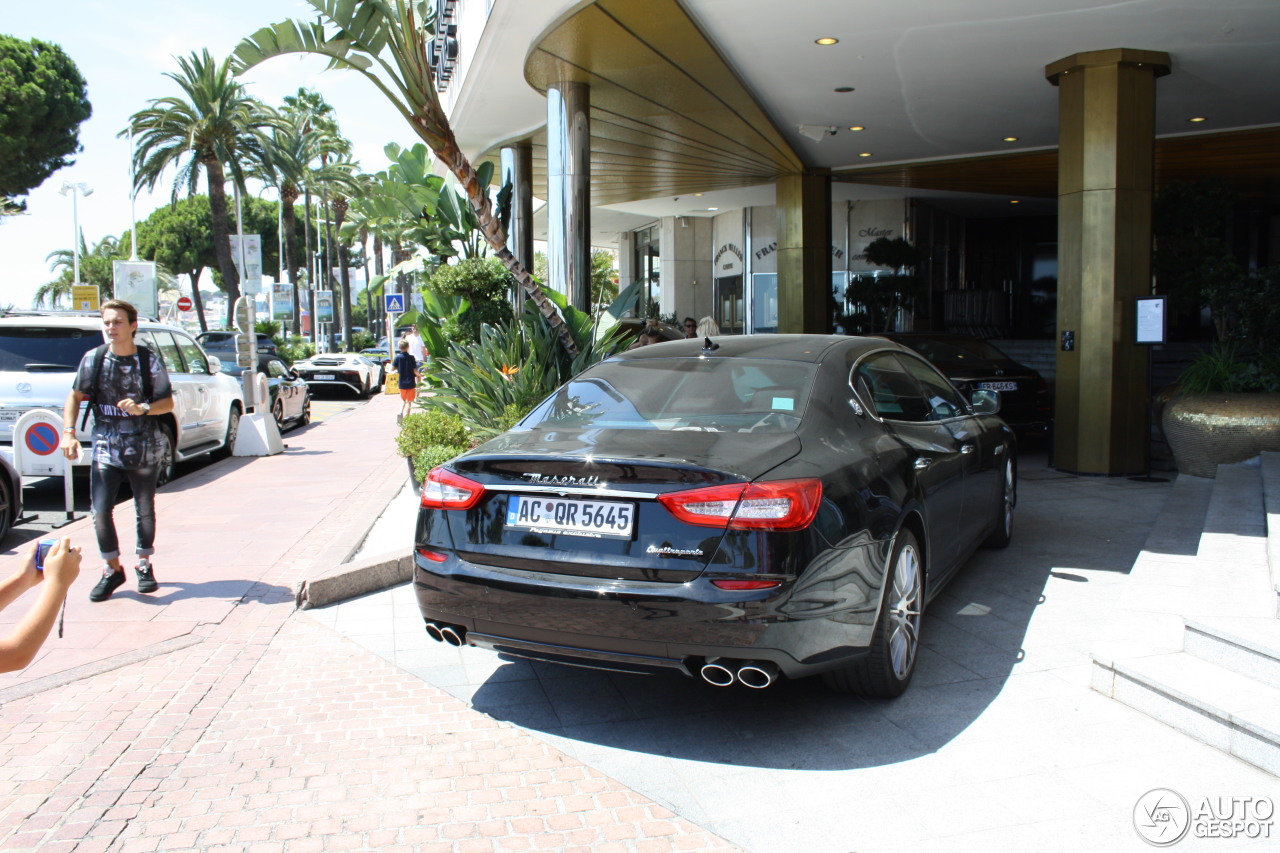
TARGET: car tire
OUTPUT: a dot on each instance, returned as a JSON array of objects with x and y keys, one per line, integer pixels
[
  {"x": 1002, "y": 533},
  {"x": 277, "y": 412},
  {"x": 887, "y": 668},
  {"x": 305, "y": 417},
  {"x": 164, "y": 468},
  {"x": 233, "y": 430}
]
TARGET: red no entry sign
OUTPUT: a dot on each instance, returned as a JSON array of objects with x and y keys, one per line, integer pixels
[
  {"x": 42, "y": 439},
  {"x": 184, "y": 303}
]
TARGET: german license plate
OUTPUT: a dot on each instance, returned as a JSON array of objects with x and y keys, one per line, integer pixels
[
  {"x": 998, "y": 386},
  {"x": 594, "y": 519},
  {"x": 321, "y": 377}
]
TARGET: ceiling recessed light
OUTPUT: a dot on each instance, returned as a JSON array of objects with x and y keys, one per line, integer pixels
[
  {"x": 826, "y": 40},
  {"x": 1015, "y": 201},
  {"x": 855, "y": 128},
  {"x": 1197, "y": 119},
  {"x": 1010, "y": 139},
  {"x": 843, "y": 89},
  {"x": 713, "y": 208},
  {"x": 865, "y": 154},
  {"x": 697, "y": 195}
]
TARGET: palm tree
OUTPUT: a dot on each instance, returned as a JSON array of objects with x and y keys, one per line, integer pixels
[
  {"x": 95, "y": 269},
  {"x": 293, "y": 162},
  {"x": 217, "y": 124},
  {"x": 386, "y": 41}
]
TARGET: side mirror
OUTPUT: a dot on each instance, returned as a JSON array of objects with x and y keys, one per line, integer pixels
[
  {"x": 215, "y": 364},
  {"x": 985, "y": 402}
]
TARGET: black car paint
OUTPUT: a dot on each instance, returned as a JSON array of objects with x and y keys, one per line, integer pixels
[{"x": 601, "y": 603}]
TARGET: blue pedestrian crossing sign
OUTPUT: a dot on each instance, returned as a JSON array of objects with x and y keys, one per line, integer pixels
[{"x": 395, "y": 303}]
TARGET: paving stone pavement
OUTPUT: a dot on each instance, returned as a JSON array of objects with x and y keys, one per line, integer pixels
[{"x": 255, "y": 729}]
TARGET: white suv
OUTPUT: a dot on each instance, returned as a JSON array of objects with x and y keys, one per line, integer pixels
[{"x": 39, "y": 354}]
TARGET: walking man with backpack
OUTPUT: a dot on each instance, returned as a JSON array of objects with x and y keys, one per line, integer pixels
[{"x": 127, "y": 387}]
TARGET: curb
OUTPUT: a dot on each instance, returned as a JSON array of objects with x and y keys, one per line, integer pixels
[{"x": 353, "y": 579}]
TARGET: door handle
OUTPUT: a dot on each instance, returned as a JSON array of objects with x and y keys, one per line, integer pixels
[
  {"x": 921, "y": 463},
  {"x": 967, "y": 448}
]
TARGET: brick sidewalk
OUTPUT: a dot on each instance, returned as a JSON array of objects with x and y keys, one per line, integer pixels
[{"x": 255, "y": 729}]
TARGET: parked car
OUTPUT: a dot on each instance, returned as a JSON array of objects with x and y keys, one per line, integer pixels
[
  {"x": 223, "y": 345},
  {"x": 341, "y": 370},
  {"x": 10, "y": 496},
  {"x": 972, "y": 363},
  {"x": 39, "y": 355},
  {"x": 290, "y": 396},
  {"x": 774, "y": 505}
]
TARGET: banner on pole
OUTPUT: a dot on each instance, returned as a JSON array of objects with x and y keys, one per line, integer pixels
[
  {"x": 324, "y": 306},
  {"x": 282, "y": 301},
  {"x": 135, "y": 283},
  {"x": 251, "y": 281}
]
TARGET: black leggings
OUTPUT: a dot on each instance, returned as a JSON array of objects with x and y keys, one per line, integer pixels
[{"x": 104, "y": 486}]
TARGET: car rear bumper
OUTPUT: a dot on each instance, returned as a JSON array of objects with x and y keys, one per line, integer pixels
[{"x": 639, "y": 627}]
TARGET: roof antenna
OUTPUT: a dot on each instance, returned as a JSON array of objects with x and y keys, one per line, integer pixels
[{"x": 708, "y": 346}]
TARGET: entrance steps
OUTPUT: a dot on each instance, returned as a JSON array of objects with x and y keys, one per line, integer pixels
[{"x": 1197, "y": 639}]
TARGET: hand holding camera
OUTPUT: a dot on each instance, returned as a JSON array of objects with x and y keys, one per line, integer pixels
[
  {"x": 52, "y": 565},
  {"x": 53, "y": 560}
]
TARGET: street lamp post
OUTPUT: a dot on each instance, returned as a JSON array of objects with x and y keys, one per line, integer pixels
[{"x": 75, "y": 189}]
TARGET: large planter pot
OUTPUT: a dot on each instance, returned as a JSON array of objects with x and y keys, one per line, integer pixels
[{"x": 1205, "y": 431}]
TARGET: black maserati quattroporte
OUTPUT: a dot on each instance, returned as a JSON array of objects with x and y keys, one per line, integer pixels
[{"x": 737, "y": 509}]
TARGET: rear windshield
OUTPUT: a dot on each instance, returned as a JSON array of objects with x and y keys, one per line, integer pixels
[
  {"x": 962, "y": 349},
  {"x": 711, "y": 394},
  {"x": 34, "y": 348}
]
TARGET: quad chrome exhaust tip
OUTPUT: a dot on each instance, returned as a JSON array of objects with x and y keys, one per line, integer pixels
[
  {"x": 718, "y": 673},
  {"x": 757, "y": 675},
  {"x": 454, "y": 635}
]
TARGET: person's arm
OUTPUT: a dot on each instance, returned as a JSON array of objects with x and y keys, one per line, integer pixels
[
  {"x": 71, "y": 411},
  {"x": 61, "y": 567}
]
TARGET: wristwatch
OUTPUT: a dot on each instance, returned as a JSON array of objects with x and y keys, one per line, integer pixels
[{"x": 146, "y": 408}]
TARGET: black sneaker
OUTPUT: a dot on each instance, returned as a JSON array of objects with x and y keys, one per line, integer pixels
[
  {"x": 107, "y": 585},
  {"x": 146, "y": 578}
]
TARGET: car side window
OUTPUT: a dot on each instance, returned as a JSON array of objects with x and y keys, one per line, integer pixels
[
  {"x": 196, "y": 361},
  {"x": 944, "y": 400},
  {"x": 162, "y": 343},
  {"x": 276, "y": 369},
  {"x": 885, "y": 385}
]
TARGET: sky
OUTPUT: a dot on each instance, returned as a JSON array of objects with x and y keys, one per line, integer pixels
[{"x": 123, "y": 50}]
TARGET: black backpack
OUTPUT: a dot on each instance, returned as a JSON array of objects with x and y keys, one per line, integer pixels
[{"x": 99, "y": 355}]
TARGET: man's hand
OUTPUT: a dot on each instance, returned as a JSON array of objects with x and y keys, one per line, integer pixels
[
  {"x": 70, "y": 445},
  {"x": 129, "y": 406}
]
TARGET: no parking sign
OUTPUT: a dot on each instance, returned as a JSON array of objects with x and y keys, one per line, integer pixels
[{"x": 37, "y": 439}]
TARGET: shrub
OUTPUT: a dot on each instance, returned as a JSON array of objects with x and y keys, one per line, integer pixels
[
  {"x": 430, "y": 438},
  {"x": 484, "y": 283}
]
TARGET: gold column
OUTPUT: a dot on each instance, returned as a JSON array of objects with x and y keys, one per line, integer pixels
[
  {"x": 803, "y": 204},
  {"x": 1106, "y": 144}
]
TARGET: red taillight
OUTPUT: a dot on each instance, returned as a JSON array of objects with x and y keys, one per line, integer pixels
[
  {"x": 433, "y": 556},
  {"x": 778, "y": 505},
  {"x": 739, "y": 585},
  {"x": 444, "y": 489}
]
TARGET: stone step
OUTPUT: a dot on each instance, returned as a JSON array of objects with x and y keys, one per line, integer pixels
[
  {"x": 1245, "y": 646},
  {"x": 1224, "y": 709}
]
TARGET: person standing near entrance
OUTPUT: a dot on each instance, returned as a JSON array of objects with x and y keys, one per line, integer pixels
[{"x": 127, "y": 442}]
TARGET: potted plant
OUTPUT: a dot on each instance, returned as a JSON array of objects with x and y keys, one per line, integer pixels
[{"x": 1226, "y": 407}]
